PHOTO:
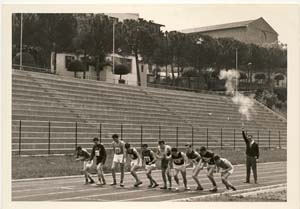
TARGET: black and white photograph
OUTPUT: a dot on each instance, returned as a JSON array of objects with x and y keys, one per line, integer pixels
[{"x": 150, "y": 103}]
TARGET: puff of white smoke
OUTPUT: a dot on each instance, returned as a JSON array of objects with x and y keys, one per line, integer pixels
[
  {"x": 245, "y": 105},
  {"x": 231, "y": 76}
]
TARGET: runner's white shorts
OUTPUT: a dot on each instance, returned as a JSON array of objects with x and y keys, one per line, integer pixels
[
  {"x": 135, "y": 163},
  {"x": 151, "y": 166},
  {"x": 87, "y": 164},
  {"x": 179, "y": 167},
  {"x": 118, "y": 158},
  {"x": 211, "y": 166},
  {"x": 231, "y": 171}
]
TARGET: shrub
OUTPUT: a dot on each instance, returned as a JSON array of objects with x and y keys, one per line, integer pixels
[
  {"x": 121, "y": 70},
  {"x": 260, "y": 76},
  {"x": 190, "y": 72},
  {"x": 76, "y": 66}
]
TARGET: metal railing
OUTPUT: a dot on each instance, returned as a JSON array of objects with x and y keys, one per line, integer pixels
[{"x": 51, "y": 137}]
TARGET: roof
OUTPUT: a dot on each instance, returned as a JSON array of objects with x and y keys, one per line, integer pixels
[{"x": 218, "y": 27}]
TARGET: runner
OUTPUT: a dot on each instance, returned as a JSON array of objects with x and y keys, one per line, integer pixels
[
  {"x": 178, "y": 159},
  {"x": 164, "y": 153},
  {"x": 149, "y": 159},
  {"x": 119, "y": 158},
  {"x": 136, "y": 162},
  {"x": 99, "y": 152},
  {"x": 227, "y": 170},
  {"x": 207, "y": 159},
  {"x": 84, "y": 155},
  {"x": 194, "y": 160}
]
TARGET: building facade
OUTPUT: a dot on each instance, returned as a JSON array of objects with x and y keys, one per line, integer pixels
[
  {"x": 107, "y": 74},
  {"x": 256, "y": 31}
]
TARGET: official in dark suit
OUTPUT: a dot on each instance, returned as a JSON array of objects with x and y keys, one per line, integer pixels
[{"x": 252, "y": 152}]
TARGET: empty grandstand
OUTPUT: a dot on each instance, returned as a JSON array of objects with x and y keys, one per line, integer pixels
[{"x": 52, "y": 114}]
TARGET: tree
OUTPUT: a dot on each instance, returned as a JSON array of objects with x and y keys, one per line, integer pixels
[
  {"x": 46, "y": 32},
  {"x": 76, "y": 66},
  {"x": 137, "y": 37},
  {"x": 94, "y": 38},
  {"x": 121, "y": 70}
]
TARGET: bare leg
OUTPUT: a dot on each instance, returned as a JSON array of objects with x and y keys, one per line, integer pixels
[
  {"x": 122, "y": 167},
  {"x": 195, "y": 176},
  {"x": 164, "y": 177},
  {"x": 169, "y": 175},
  {"x": 113, "y": 172},
  {"x": 183, "y": 173},
  {"x": 210, "y": 176},
  {"x": 133, "y": 173}
]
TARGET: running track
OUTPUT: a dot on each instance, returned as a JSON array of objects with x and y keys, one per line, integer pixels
[{"x": 73, "y": 189}]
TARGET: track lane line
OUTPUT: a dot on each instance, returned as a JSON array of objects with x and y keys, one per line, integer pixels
[
  {"x": 93, "y": 189},
  {"x": 131, "y": 181},
  {"x": 188, "y": 192},
  {"x": 134, "y": 191},
  {"x": 28, "y": 184}
]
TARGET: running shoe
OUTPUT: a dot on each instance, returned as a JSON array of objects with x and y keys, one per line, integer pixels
[
  {"x": 155, "y": 185},
  {"x": 199, "y": 188},
  {"x": 214, "y": 189}
]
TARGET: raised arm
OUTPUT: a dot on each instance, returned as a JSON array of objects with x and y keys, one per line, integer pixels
[{"x": 245, "y": 136}]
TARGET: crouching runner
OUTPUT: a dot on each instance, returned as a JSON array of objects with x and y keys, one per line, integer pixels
[
  {"x": 179, "y": 159},
  {"x": 227, "y": 170},
  {"x": 194, "y": 158},
  {"x": 135, "y": 163},
  {"x": 149, "y": 160},
  {"x": 84, "y": 155}
]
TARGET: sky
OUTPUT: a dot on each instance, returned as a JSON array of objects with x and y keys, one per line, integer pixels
[{"x": 177, "y": 17}]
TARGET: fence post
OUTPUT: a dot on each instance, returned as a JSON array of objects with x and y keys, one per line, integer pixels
[
  {"x": 49, "y": 136},
  {"x": 221, "y": 138},
  {"x": 207, "y": 138},
  {"x": 192, "y": 137},
  {"x": 76, "y": 129},
  {"x": 279, "y": 139},
  {"x": 121, "y": 131},
  {"x": 269, "y": 139},
  {"x": 20, "y": 136},
  {"x": 141, "y": 136},
  {"x": 234, "y": 138},
  {"x": 258, "y": 136},
  {"x": 159, "y": 134},
  {"x": 100, "y": 133},
  {"x": 176, "y": 136}
]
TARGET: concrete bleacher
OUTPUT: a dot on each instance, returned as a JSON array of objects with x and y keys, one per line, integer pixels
[{"x": 42, "y": 102}]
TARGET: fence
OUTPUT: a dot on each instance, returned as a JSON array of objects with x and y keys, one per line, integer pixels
[{"x": 56, "y": 137}]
